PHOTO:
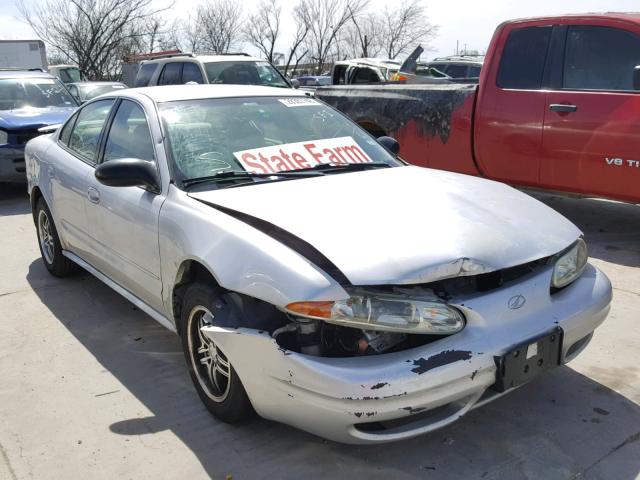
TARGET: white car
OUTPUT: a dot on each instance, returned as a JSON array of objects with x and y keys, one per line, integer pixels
[{"x": 311, "y": 274}]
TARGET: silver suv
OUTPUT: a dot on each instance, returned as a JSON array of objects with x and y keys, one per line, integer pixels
[{"x": 237, "y": 69}]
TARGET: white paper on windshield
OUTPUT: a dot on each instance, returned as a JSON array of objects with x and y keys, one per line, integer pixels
[
  {"x": 298, "y": 102},
  {"x": 294, "y": 156}
]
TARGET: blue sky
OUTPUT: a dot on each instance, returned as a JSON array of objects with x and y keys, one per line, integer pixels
[{"x": 471, "y": 22}]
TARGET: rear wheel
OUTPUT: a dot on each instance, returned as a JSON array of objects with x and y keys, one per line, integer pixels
[
  {"x": 49, "y": 243},
  {"x": 212, "y": 374}
]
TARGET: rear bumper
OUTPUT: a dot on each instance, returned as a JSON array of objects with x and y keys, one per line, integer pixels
[
  {"x": 400, "y": 395},
  {"x": 12, "y": 165}
]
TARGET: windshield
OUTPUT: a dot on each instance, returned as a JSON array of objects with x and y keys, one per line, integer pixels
[
  {"x": 262, "y": 135},
  {"x": 70, "y": 74},
  {"x": 245, "y": 73},
  {"x": 91, "y": 91},
  {"x": 18, "y": 93}
]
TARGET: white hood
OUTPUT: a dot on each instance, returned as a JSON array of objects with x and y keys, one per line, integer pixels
[{"x": 406, "y": 225}]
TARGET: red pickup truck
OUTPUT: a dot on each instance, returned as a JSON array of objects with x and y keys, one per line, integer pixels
[{"x": 557, "y": 107}]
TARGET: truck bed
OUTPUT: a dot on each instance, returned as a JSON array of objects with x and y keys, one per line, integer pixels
[{"x": 431, "y": 122}]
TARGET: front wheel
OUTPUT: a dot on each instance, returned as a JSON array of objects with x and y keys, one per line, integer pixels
[
  {"x": 49, "y": 243},
  {"x": 213, "y": 376}
]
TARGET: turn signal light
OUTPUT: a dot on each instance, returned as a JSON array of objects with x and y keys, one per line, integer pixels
[{"x": 311, "y": 309}]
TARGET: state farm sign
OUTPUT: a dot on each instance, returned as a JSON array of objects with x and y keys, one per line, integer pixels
[{"x": 294, "y": 156}]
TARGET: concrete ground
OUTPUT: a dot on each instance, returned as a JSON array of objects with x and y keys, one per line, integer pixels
[{"x": 90, "y": 387}]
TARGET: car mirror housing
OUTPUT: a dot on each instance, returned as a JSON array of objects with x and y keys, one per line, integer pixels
[
  {"x": 295, "y": 83},
  {"x": 390, "y": 144},
  {"x": 636, "y": 77},
  {"x": 128, "y": 172}
]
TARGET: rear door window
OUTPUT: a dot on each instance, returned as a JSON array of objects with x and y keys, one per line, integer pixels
[
  {"x": 171, "y": 74},
  {"x": 144, "y": 74},
  {"x": 524, "y": 57},
  {"x": 600, "y": 58},
  {"x": 191, "y": 73},
  {"x": 85, "y": 137}
]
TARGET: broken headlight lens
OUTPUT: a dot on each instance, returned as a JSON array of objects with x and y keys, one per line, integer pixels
[
  {"x": 570, "y": 266},
  {"x": 422, "y": 314}
]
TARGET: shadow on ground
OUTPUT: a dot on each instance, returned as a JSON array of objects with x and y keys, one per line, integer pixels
[
  {"x": 564, "y": 425},
  {"x": 611, "y": 229},
  {"x": 14, "y": 199}
]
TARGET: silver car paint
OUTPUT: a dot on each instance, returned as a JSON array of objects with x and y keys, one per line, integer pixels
[
  {"x": 456, "y": 230},
  {"x": 451, "y": 224},
  {"x": 331, "y": 396}
]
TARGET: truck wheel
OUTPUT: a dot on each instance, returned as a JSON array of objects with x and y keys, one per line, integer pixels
[
  {"x": 49, "y": 243},
  {"x": 212, "y": 374}
]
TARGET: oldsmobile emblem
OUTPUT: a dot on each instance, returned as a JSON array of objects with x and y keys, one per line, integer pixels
[{"x": 516, "y": 302}]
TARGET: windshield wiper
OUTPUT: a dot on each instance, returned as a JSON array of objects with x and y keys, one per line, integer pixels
[
  {"x": 236, "y": 174},
  {"x": 342, "y": 167}
]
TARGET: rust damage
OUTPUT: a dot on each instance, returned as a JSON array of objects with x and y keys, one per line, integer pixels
[
  {"x": 392, "y": 107},
  {"x": 423, "y": 365}
]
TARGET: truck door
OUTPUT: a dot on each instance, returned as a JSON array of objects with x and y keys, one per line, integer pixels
[
  {"x": 511, "y": 106},
  {"x": 591, "y": 139}
]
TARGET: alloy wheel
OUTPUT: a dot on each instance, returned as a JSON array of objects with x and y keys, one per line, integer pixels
[{"x": 210, "y": 365}]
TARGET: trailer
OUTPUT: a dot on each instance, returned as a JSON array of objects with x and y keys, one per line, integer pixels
[{"x": 23, "y": 54}]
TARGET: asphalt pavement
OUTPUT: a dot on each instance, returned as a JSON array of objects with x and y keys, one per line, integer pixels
[{"x": 91, "y": 387}]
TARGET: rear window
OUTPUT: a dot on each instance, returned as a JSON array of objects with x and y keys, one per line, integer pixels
[
  {"x": 144, "y": 74},
  {"x": 191, "y": 73},
  {"x": 244, "y": 73},
  {"x": 524, "y": 57},
  {"x": 171, "y": 74}
]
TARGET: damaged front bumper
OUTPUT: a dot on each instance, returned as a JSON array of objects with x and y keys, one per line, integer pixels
[{"x": 394, "y": 396}]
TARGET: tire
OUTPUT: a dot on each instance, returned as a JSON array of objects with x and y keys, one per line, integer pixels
[
  {"x": 49, "y": 242},
  {"x": 224, "y": 396}
]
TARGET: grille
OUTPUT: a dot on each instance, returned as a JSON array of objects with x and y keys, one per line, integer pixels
[{"x": 23, "y": 136}]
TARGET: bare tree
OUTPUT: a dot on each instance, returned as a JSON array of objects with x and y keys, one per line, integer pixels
[
  {"x": 405, "y": 26},
  {"x": 91, "y": 33},
  {"x": 263, "y": 28},
  {"x": 185, "y": 34},
  {"x": 325, "y": 19},
  {"x": 154, "y": 30},
  {"x": 220, "y": 22},
  {"x": 297, "y": 51},
  {"x": 361, "y": 37}
]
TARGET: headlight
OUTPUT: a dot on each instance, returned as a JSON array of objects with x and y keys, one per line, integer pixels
[
  {"x": 570, "y": 265},
  {"x": 4, "y": 137},
  {"x": 391, "y": 312}
]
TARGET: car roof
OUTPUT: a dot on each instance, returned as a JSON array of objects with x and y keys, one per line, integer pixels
[
  {"x": 205, "y": 58},
  {"x": 628, "y": 16},
  {"x": 10, "y": 73},
  {"x": 372, "y": 62},
  {"x": 96, "y": 83},
  {"x": 170, "y": 93}
]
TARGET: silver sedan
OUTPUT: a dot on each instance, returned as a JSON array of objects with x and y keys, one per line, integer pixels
[{"x": 312, "y": 275}]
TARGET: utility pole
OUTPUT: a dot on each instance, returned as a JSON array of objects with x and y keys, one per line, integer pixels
[{"x": 456, "y": 47}]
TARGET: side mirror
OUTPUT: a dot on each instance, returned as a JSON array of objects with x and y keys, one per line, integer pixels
[
  {"x": 636, "y": 77},
  {"x": 128, "y": 172},
  {"x": 295, "y": 83},
  {"x": 390, "y": 144}
]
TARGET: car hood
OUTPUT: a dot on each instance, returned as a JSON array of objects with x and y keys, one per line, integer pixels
[
  {"x": 33, "y": 117},
  {"x": 403, "y": 225}
]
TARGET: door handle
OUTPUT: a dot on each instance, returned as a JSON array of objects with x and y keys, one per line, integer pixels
[
  {"x": 93, "y": 195},
  {"x": 562, "y": 108}
]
